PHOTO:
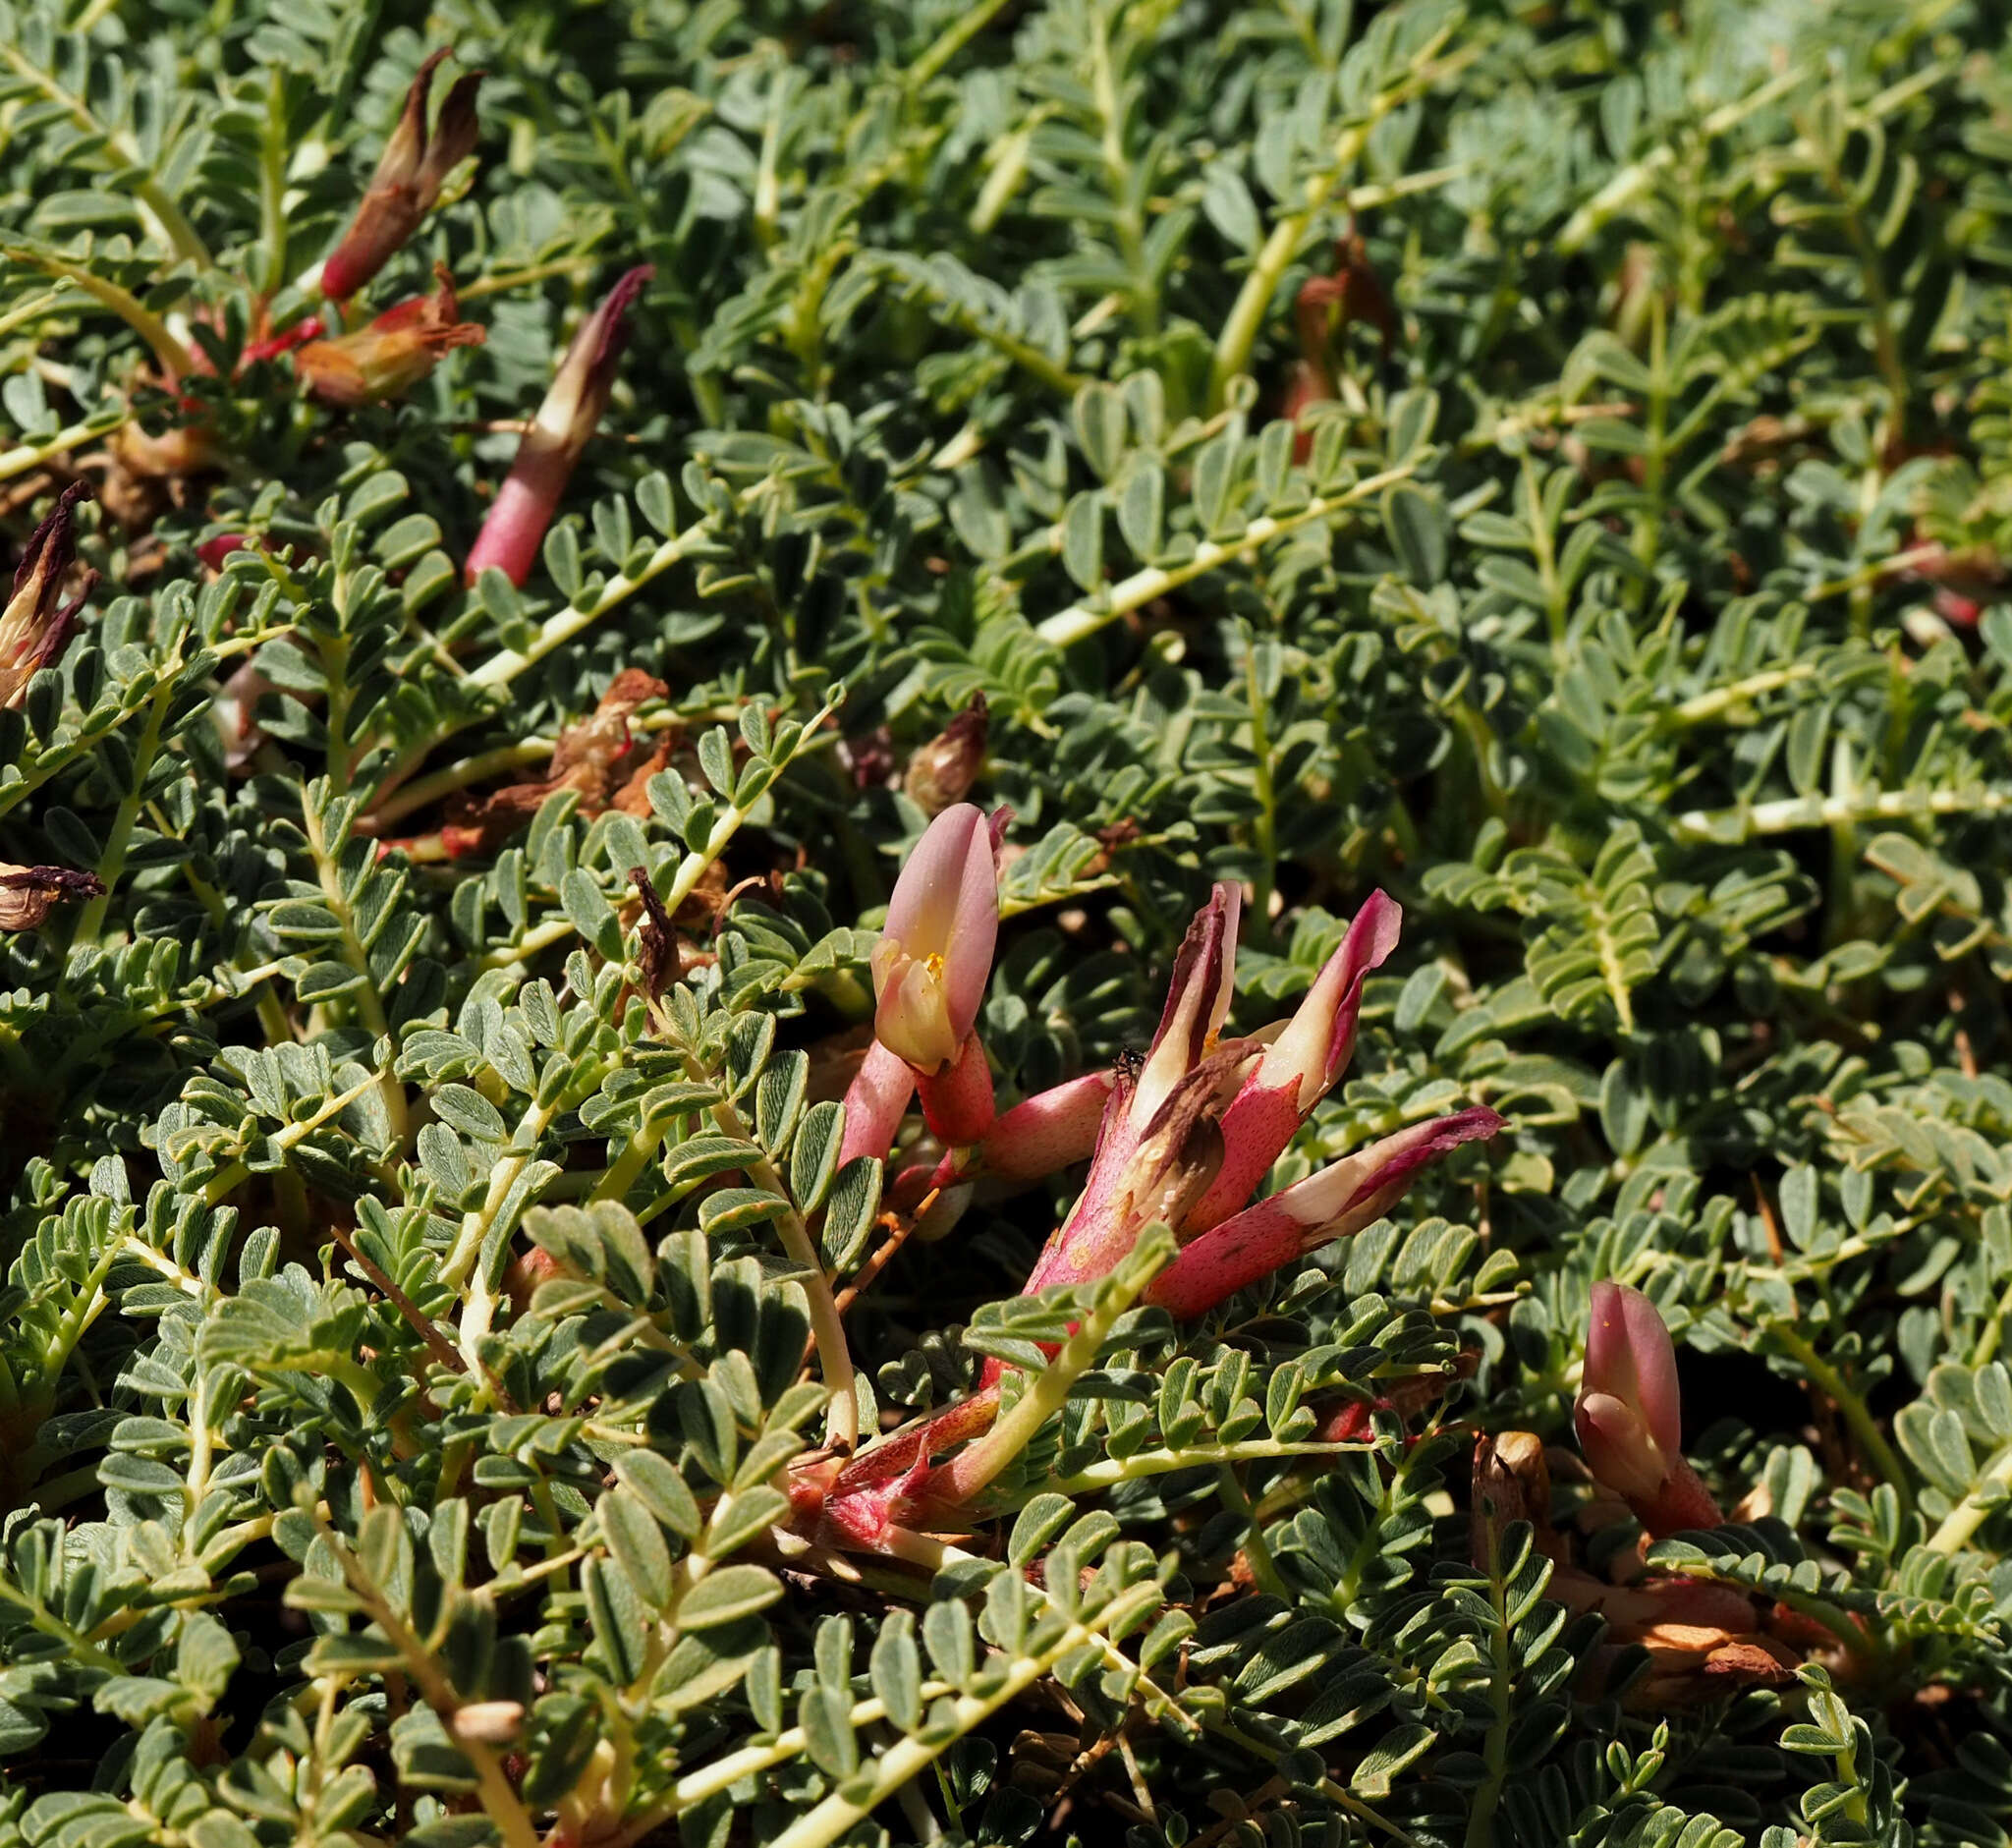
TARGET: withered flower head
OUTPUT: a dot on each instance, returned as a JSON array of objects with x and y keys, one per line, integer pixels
[
  {"x": 658, "y": 938},
  {"x": 409, "y": 175},
  {"x": 393, "y": 354},
  {"x": 36, "y": 622},
  {"x": 28, "y": 893},
  {"x": 942, "y": 771}
]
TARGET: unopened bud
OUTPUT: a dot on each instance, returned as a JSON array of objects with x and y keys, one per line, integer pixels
[
  {"x": 935, "y": 951},
  {"x": 1629, "y": 1415},
  {"x": 36, "y": 622},
  {"x": 411, "y": 172},
  {"x": 487, "y": 1722},
  {"x": 514, "y": 529},
  {"x": 943, "y": 770}
]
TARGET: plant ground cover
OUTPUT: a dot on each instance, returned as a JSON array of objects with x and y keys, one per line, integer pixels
[{"x": 560, "y": 967}]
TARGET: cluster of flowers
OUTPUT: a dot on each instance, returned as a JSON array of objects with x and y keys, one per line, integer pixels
[{"x": 1183, "y": 1140}]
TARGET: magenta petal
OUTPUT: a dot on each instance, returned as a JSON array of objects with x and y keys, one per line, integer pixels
[
  {"x": 1093, "y": 1239},
  {"x": 957, "y": 1102},
  {"x": 1334, "y": 1204},
  {"x": 1258, "y": 1123},
  {"x": 1317, "y": 1041}
]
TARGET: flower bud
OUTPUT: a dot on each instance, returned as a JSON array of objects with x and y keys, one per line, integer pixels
[
  {"x": 943, "y": 770},
  {"x": 409, "y": 175},
  {"x": 1629, "y": 1415},
  {"x": 526, "y": 501},
  {"x": 36, "y": 622},
  {"x": 390, "y": 356},
  {"x": 935, "y": 951},
  {"x": 28, "y": 894},
  {"x": 487, "y": 1722},
  {"x": 214, "y": 551}
]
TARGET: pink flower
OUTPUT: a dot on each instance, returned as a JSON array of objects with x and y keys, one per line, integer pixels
[
  {"x": 1629, "y": 1413},
  {"x": 36, "y": 622},
  {"x": 526, "y": 501},
  {"x": 409, "y": 175},
  {"x": 934, "y": 956},
  {"x": 1186, "y": 1139}
]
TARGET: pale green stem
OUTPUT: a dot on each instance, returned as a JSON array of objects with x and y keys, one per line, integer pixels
[
  {"x": 173, "y": 356},
  {"x": 1046, "y": 1391},
  {"x": 174, "y": 229},
  {"x": 1629, "y": 185},
  {"x": 498, "y": 1795},
  {"x": 1114, "y": 1470},
  {"x": 1791, "y": 813},
  {"x": 501, "y": 669},
  {"x": 953, "y": 40},
  {"x": 226, "y": 1181},
  {"x": 369, "y": 1004},
  {"x": 457, "y": 776},
  {"x": 1969, "y": 1514},
  {"x": 1702, "y": 708},
  {"x": 1851, "y": 1407},
  {"x": 841, "y": 1812},
  {"x": 827, "y": 1327},
  {"x": 25, "y": 456},
  {"x": 120, "y": 837},
  {"x": 1131, "y": 593}
]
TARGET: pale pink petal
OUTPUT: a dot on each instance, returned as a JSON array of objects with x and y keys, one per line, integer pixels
[
  {"x": 1198, "y": 1001},
  {"x": 929, "y": 895},
  {"x": 974, "y": 933},
  {"x": 1049, "y": 1130},
  {"x": 913, "y": 1018},
  {"x": 1635, "y": 1351},
  {"x": 1617, "y": 1445}
]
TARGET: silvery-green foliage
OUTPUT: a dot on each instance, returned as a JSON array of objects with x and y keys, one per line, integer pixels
[{"x": 1639, "y": 617}]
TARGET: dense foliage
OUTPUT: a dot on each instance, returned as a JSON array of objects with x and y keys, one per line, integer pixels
[{"x": 1549, "y": 458}]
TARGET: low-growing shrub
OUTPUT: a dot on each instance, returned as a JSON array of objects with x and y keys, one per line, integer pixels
[{"x": 995, "y": 922}]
